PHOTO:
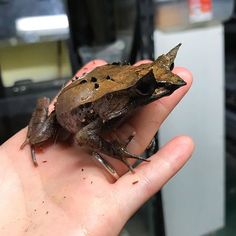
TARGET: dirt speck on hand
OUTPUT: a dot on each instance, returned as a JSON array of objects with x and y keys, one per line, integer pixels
[
  {"x": 135, "y": 182},
  {"x": 46, "y": 212}
]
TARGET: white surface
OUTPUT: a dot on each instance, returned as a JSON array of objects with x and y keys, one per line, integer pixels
[
  {"x": 194, "y": 198},
  {"x": 43, "y": 25}
]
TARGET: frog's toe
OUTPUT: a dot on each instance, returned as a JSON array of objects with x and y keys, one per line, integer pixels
[
  {"x": 124, "y": 155},
  {"x": 133, "y": 156},
  {"x": 129, "y": 140},
  {"x": 33, "y": 156},
  {"x": 126, "y": 162},
  {"x": 107, "y": 165},
  {"x": 26, "y": 142}
]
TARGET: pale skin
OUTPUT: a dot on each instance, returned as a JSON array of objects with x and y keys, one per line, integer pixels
[{"x": 69, "y": 193}]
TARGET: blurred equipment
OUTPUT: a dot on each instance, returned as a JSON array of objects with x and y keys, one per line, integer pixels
[
  {"x": 34, "y": 22},
  {"x": 34, "y": 27},
  {"x": 230, "y": 85},
  {"x": 32, "y": 58},
  {"x": 92, "y": 31},
  {"x": 172, "y": 15}
]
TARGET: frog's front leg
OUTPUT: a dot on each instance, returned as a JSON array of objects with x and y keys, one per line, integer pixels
[
  {"x": 89, "y": 136},
  {"x": 41, "y": 126}
]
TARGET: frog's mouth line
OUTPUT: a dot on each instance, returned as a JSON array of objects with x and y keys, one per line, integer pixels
[
  {"x": 160, "y": 92},
  {"x": 167, "y": 90}
]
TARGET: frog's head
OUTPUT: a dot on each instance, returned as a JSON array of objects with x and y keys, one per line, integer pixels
[{"x": 160, "y": 81}]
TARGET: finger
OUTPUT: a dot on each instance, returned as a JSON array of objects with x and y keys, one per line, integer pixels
[
  {"x": 150, "y": 177},
  {"x": 148, "y": 120},
  {"x": 90, "y": 66},
  {"x": 142, "y": 62}
]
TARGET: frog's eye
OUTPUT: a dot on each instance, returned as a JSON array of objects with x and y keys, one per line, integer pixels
[
  {"x": 146, "y": 85},
  {"x": 172, "y": 65}
]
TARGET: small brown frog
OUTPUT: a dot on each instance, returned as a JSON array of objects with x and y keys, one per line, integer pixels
[{"x": 102, "y": 100}]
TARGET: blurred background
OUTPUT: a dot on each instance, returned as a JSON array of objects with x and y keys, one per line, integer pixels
[{"x": 44, "y": 42}]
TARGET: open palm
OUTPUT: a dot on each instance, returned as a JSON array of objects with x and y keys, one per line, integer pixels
[{"x": 70, "y": 194}]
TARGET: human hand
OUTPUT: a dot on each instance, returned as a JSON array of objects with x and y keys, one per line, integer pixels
[{"x": 70, "y": 194}]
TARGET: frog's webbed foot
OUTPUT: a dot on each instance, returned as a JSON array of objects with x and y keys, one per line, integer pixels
[
  {"x": 122, "y": 154},
  {"x": 89, "y": 136},
  {"x": 41, "y": 126}
]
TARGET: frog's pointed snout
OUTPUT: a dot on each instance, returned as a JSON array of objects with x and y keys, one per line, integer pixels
[
  {"x": 177, "y": 84},
  {"x": 180, "y": 83}
]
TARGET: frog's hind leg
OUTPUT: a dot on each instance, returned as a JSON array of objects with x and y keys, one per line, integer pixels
[
  {"x": 41, "y": 126},
  {"x": 89, "y": 136}
]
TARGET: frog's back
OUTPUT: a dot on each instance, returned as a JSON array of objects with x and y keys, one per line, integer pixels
[
  {"x": 91, "y": 87},
  {"x": 101, "y": 81}
]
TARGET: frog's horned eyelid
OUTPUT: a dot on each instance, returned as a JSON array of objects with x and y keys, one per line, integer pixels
[{"x": 171, "y": 55}]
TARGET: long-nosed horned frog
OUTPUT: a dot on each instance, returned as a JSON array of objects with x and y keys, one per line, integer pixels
[{"x": 102, "y": 100}]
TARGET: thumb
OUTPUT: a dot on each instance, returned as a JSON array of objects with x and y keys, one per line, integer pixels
[{"x": 133, "y": 190}]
